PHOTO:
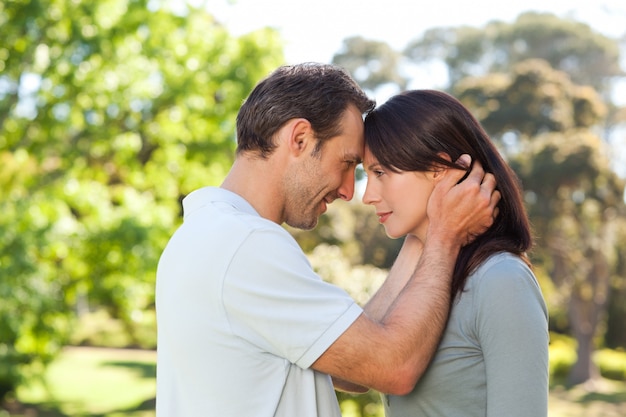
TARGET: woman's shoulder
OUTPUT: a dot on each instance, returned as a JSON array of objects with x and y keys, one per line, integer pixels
[
  {"x": 502, "y": 260},
  {"x": 504, "y": 290},
  {"x": 503, "y": 271}
]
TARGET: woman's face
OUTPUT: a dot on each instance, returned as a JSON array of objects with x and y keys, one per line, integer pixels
[{"x": 400, "y": 199}]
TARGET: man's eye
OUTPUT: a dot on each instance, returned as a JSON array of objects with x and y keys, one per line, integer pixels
[{"x": 378, "y": 173}]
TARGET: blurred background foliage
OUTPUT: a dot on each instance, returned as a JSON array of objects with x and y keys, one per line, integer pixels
[{"x": 111, "y": 112}]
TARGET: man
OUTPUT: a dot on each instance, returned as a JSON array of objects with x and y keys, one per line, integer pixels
[{"x": 245, "y": 326}]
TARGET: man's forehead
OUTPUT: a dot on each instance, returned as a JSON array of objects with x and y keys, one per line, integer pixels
[{"x": 347, "y": 147}]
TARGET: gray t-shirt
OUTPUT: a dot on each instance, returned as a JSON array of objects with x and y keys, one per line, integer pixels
[
  {"x": 493, "y": 358},
  {"x": 242, "y": 316}
]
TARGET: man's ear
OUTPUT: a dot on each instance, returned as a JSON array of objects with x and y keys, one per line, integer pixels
[{"x": 299, "y": 135}]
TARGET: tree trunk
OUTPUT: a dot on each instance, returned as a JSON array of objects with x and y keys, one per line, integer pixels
[
  {"x": 584, "y": 369},
  {"x": 587, "y": 309}
]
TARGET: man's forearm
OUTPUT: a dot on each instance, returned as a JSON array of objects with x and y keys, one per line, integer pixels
[{"x": 420, "y": 311}]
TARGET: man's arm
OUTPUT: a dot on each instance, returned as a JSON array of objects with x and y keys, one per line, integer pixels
[
  {"x": 377, "y": 307},
  {"x": 389, "y": 350}
]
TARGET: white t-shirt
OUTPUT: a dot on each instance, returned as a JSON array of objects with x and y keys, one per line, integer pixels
[{"x": 241, "y": 317}]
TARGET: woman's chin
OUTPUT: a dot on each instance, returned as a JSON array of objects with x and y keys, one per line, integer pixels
[{"x": 392, "y": 235}]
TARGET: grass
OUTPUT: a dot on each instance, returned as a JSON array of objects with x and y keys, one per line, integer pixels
[
  {"x": 100, "y": 382},
  {"x": 94, "y": 382},
  {"x": 603, "y": 398}
]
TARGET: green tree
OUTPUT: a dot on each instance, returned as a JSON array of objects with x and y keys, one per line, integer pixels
[
  {"x": 576, "y": 203},
  {"x": 589, "y": 58},
  {"x": 574, "y": 198},
  {"x": 110, "y": 112},
  {"x": 529, "y": 99},
  {"x": 371, "y": 63},
  {"x": 616, "y": 325},
  {"x": 568, "y": 45}
]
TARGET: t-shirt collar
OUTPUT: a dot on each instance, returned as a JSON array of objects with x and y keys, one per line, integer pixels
[{"x": 207, "y": 195}]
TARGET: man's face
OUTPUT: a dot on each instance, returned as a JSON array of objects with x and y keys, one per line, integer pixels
[{"x": 326, "y": 175}]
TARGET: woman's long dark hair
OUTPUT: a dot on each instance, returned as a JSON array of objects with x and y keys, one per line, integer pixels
[{"x": 410, "y": 130}]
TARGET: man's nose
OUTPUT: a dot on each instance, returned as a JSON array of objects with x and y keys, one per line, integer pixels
[{"x": 346, "y": 190}]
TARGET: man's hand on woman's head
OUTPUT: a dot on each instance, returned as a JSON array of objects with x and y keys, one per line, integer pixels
[{"x": 461, "y": 212}]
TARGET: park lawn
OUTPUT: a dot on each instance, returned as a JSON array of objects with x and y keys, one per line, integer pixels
[
  {"x": 96, "y": 381},
  {"x": 121, "y": 383},
  {"x": 602, "y": 398}
]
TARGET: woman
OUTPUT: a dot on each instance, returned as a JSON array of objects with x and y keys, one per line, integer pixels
[{"x": 493, "y": 357}]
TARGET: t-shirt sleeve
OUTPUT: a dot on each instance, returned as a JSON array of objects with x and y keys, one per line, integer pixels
[
  {"x": 513, "y": 331},
  {"x": 274, "y": 300}
]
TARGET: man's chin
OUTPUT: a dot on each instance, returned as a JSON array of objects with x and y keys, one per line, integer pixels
[{"x": 304, "y": 225}]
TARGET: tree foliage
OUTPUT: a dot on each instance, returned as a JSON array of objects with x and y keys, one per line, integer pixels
[
  {"x": 567, "y": 45},
  {"x": 110, "y": 112},
  {"x": 529, "y": 99},
  {"x": 576, "y": 210},
  {"x": 371, "y": 63}
]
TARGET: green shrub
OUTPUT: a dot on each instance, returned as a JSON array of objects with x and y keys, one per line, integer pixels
[
  {"x": 562, "y": 356},
  {"x": 612, "y": 363},
  {"x": 100, "y": 329}
]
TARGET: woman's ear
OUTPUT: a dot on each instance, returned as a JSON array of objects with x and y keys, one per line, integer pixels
[{"x": 439, "y": 169}]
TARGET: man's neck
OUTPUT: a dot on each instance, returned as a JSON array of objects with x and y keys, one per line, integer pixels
[{"x": 258, "y": 181}]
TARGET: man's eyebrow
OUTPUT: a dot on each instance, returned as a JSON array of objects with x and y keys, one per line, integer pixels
[{"x": 353, "y": 158}]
